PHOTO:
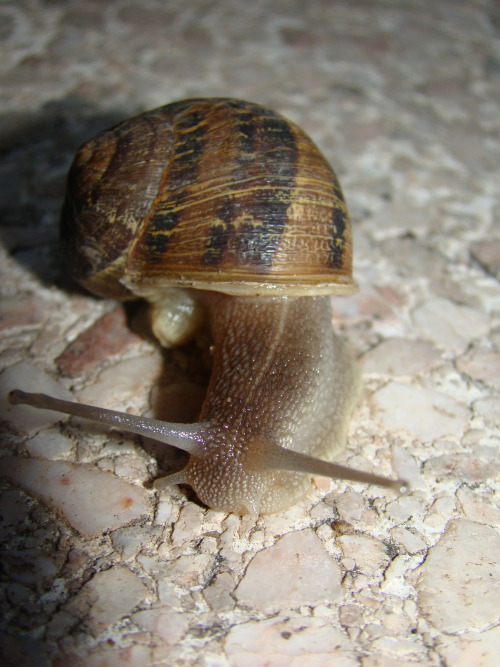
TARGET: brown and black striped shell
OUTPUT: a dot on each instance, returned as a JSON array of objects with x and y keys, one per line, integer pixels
[{"x": 217, "y": 193}]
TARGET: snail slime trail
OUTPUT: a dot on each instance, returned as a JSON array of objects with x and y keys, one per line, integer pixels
[{"x": 225, "y": 210}]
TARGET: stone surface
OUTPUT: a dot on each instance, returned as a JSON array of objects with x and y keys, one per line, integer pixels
[
  {"x": 472, "y": 648},
  {"x": 449, "y": 325},
  {"x": 425, "y": 413},
  {"x": 296, "y": 641},
  {"x": 487, "y": 253},
  {"x": 482, "y": 366},
  {"x": 105, "y": 339},
  {"x": 295, "y": 571},
  {"x": 23, "y": 418},
  {"x": 400, "y": 357},
  {"x": 76, "y": 492},
  {"x": 18, "y": 312},
  {"x": 52, "y": 445},
  {"x": 477, "y": 508},
  {"x": 128, "y": 378},
  {"x": 108, "y": 656},
  {"x": 108, "y": 597},
  {"x": 473, "y": 467},
  {"x": 488, "y": 408},
  {"x": 218, "y": 594},
  {"x": 458, "y": 583},
  {"x": 368, "y": 554},
  {"x": 403, "y": 99},
  {"x": 167, "y": 622}
]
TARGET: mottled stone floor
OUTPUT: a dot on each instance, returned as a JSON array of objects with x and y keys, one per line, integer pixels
[{"x": 403, "y": 98}]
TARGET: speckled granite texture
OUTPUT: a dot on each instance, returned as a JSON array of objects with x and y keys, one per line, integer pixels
[{"x": 403, "y": 98}]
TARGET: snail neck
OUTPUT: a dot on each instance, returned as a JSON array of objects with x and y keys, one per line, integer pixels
[{"x": 278, "y": 370}]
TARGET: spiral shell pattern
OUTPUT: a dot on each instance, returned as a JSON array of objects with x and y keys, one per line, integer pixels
[{"x": 216, "y": 193}]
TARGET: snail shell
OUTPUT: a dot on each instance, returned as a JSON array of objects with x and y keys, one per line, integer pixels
[{"x": 233, "y": 198}]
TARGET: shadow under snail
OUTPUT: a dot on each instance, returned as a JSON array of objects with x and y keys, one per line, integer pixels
[{"x": 224, "y": 209}]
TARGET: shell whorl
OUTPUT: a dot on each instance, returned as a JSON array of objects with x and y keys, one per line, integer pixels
[{"x": 213, "y": 193}]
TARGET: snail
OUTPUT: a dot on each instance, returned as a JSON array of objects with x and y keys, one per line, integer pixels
[{"x": 225, "y": 210}]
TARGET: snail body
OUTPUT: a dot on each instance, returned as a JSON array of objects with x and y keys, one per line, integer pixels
[
  {"x": 259, "y": 353},
  {"x": 224, "y": 209}
]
